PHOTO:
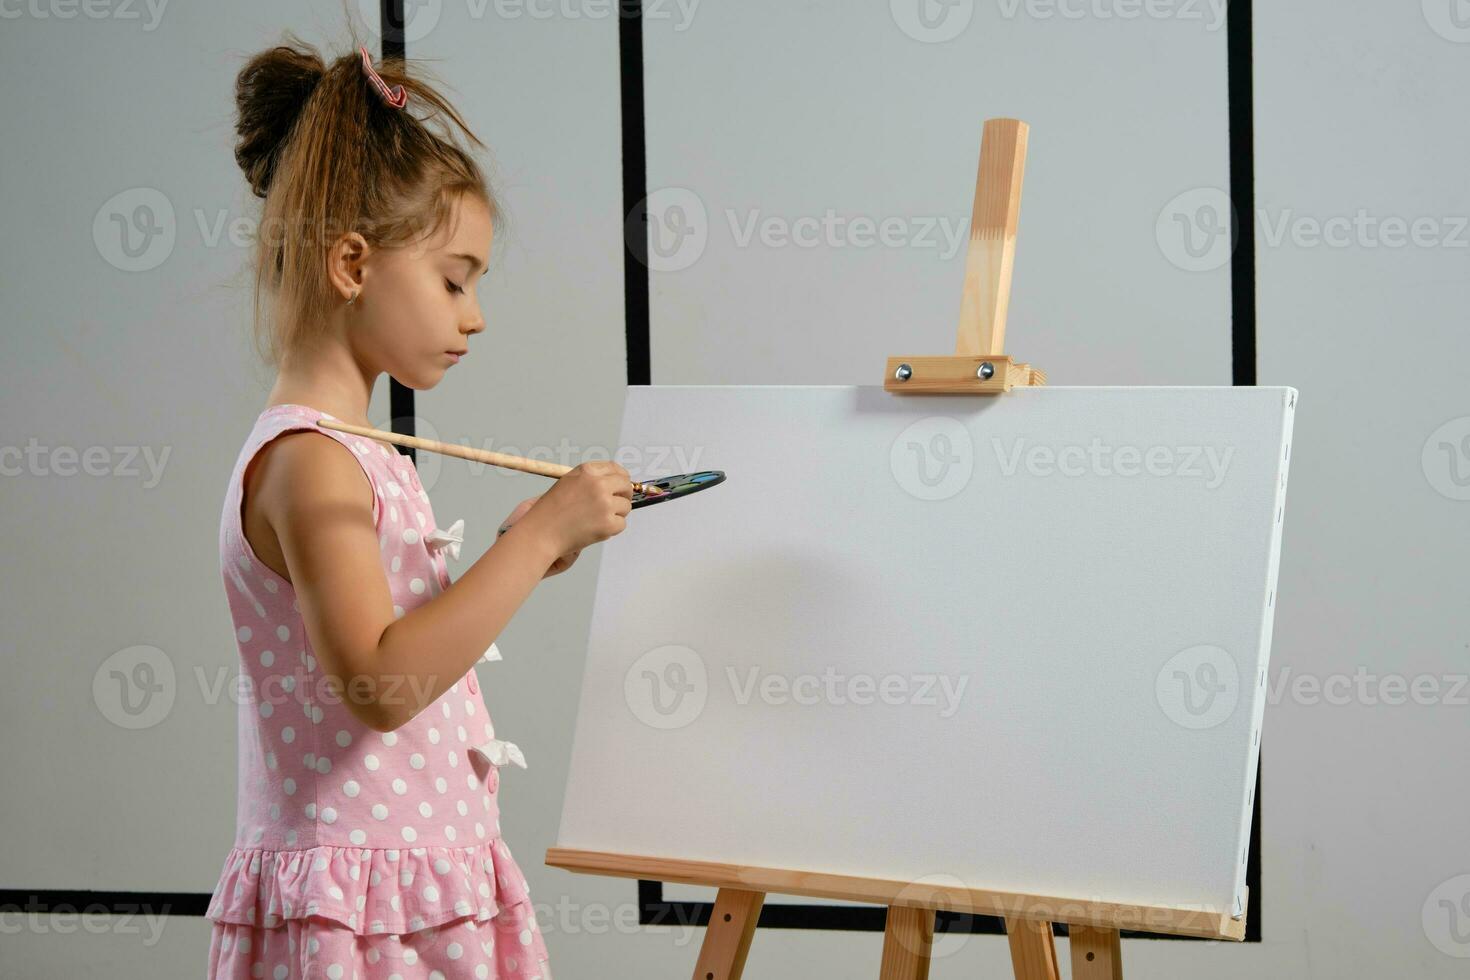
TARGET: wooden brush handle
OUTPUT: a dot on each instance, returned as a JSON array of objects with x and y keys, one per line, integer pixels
[{"x": 536, "y": 466}]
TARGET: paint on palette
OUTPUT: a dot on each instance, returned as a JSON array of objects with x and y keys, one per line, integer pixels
[{"x": 673, "y": 487}]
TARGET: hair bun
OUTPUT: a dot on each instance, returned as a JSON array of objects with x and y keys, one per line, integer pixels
[{"x": 270, "y": 92}]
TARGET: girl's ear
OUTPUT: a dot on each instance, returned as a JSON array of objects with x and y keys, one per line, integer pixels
[{"x": 345, "y": 261}]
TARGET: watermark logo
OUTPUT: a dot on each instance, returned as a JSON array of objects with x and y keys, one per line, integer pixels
[
  {"x": 1211, "y": 13},
  {"x": 1450, "y": 19},
  {"x": 1198, "y": 687},
  {"x": 932, "y": 21},
  {"x": 932, "y": 892},
  {"x": 1196, "y": 230},
  {"x": 419, "y": 17},
  {"x": 135, "y": 687},
  {"x": 1207, "y": 464},
  {"x": 933, "y": 458},
  {"x": 1446, "y": 917},
  {"x": 667, "y": 687},
  {"x": 833, "y": 687},
  {"x": 670, "y": 226},
  {"x": 134, "y": 230},
  {"x": 122, "y": 10},
  {"x": 1446, "y": 459}
]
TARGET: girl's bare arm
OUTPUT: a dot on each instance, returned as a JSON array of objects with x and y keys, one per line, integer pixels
[{"x": 318, "y": 504}]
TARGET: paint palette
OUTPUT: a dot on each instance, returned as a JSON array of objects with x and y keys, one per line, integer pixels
[{"x": 674, "y": 487}]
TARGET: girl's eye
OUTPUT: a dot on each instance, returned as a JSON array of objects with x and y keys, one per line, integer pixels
[{"x": 449, "y": 283}]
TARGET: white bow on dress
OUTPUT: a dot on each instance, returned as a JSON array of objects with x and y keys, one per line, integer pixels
[
  {"x": 448, "y": 538},
  {"x": 498, "y": 751}
]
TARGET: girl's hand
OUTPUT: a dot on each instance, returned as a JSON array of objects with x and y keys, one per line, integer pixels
[{"x": 558, "y": 566}]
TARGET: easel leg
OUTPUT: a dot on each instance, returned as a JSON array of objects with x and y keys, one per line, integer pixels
[
  {"x": 908, "y": 937},
  {"x": 727, "y": 938},
  {"x": 1096, "y": 954},
  {"x": 1033, "y": 954}
]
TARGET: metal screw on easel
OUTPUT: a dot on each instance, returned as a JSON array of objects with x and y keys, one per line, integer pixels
[
  {"x": 986, "y": 371},
  {"x": 904, "y": 372}
]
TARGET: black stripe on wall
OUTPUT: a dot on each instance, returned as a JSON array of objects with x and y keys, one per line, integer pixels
[
  {"x": 400, "y": 397},
  {"x": 635, "y": 193}
]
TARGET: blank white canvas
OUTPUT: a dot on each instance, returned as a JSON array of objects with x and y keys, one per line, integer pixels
[{"x": 1018, "y": 641}]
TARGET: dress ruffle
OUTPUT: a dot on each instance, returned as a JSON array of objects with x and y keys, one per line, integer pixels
[{"x": 369, "y": 890}]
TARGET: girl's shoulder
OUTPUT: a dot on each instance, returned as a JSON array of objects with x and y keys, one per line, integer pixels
[{"x": 279, "y": 420}]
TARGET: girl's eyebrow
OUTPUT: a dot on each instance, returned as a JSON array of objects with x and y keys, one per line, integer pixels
[{"x": 473, "y": 260}]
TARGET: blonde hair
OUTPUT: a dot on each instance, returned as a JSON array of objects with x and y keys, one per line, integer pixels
[{"x": 328, "y": 155}]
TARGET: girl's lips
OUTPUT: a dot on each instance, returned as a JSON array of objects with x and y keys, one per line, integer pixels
[{"x": 453, "y": 356}]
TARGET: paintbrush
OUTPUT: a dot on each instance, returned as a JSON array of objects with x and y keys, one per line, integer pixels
[{"x": 536, "y": 466}]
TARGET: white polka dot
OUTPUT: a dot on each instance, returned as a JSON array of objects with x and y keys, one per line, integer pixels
[
  {"x": 334, "y": 972},
  {"x": 267, "y": 709},
  {"x": 410, "y": 535},
  {"x": 396, "y": 565},
  {"x": 416, "y": 760},
  {"x": 357, "y": 837},
  {"x": 409, "y": 834},
  {"x": 416, "y": 586},
  {"x": 390, "y": 738},
  {"x": 289, "y": 785},
  {"x": 329, "y": 815},
  {"x": 450, "y": 832},
  {"x": 370, "y": 761},
  {"x": 380, "y": 811},
  {"x": 431, "y": 893},
  {"x": 434, "y": 736},
  {"x": 454, "y": 951},
  {"x": 324, "y": 765},
  {"x": 425, "y": 810},
  {"x": 420, "y": 516},
  {"x": 283, "y": 633},
  {"x": 344, "y": 738},
  {"x": 351, "y": 788},
  {"x": 243, "y": 633},
  {"x": 288, "y": 734},
  {"x": 400, "y": 787},
  {"x": 267, "y": 658}
]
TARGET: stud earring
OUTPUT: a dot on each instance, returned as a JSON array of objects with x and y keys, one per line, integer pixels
[{"x": 353, "y": 298}]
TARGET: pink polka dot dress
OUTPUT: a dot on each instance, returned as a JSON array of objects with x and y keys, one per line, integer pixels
[{"x": 361, "y": 855}]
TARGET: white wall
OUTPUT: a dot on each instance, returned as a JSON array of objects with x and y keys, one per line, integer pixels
[{"x": 774, "y": 112}]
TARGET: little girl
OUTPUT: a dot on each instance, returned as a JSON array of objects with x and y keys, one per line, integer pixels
[{"x": 367, "y": 840}]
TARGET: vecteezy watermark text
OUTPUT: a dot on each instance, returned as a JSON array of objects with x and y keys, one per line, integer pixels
[{"x": 1097, "y": 458}]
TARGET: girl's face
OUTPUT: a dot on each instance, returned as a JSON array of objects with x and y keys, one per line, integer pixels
[{"x": 418, "y": 305}]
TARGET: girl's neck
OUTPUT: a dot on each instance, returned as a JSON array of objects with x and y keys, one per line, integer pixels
[{"x": 327, "y": 380}]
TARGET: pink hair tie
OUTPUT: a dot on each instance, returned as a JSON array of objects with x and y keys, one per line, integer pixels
[{"x": 395, "y": 96}]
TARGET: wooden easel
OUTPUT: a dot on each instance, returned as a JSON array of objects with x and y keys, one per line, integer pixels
[{"x": 978, "y": 366}]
